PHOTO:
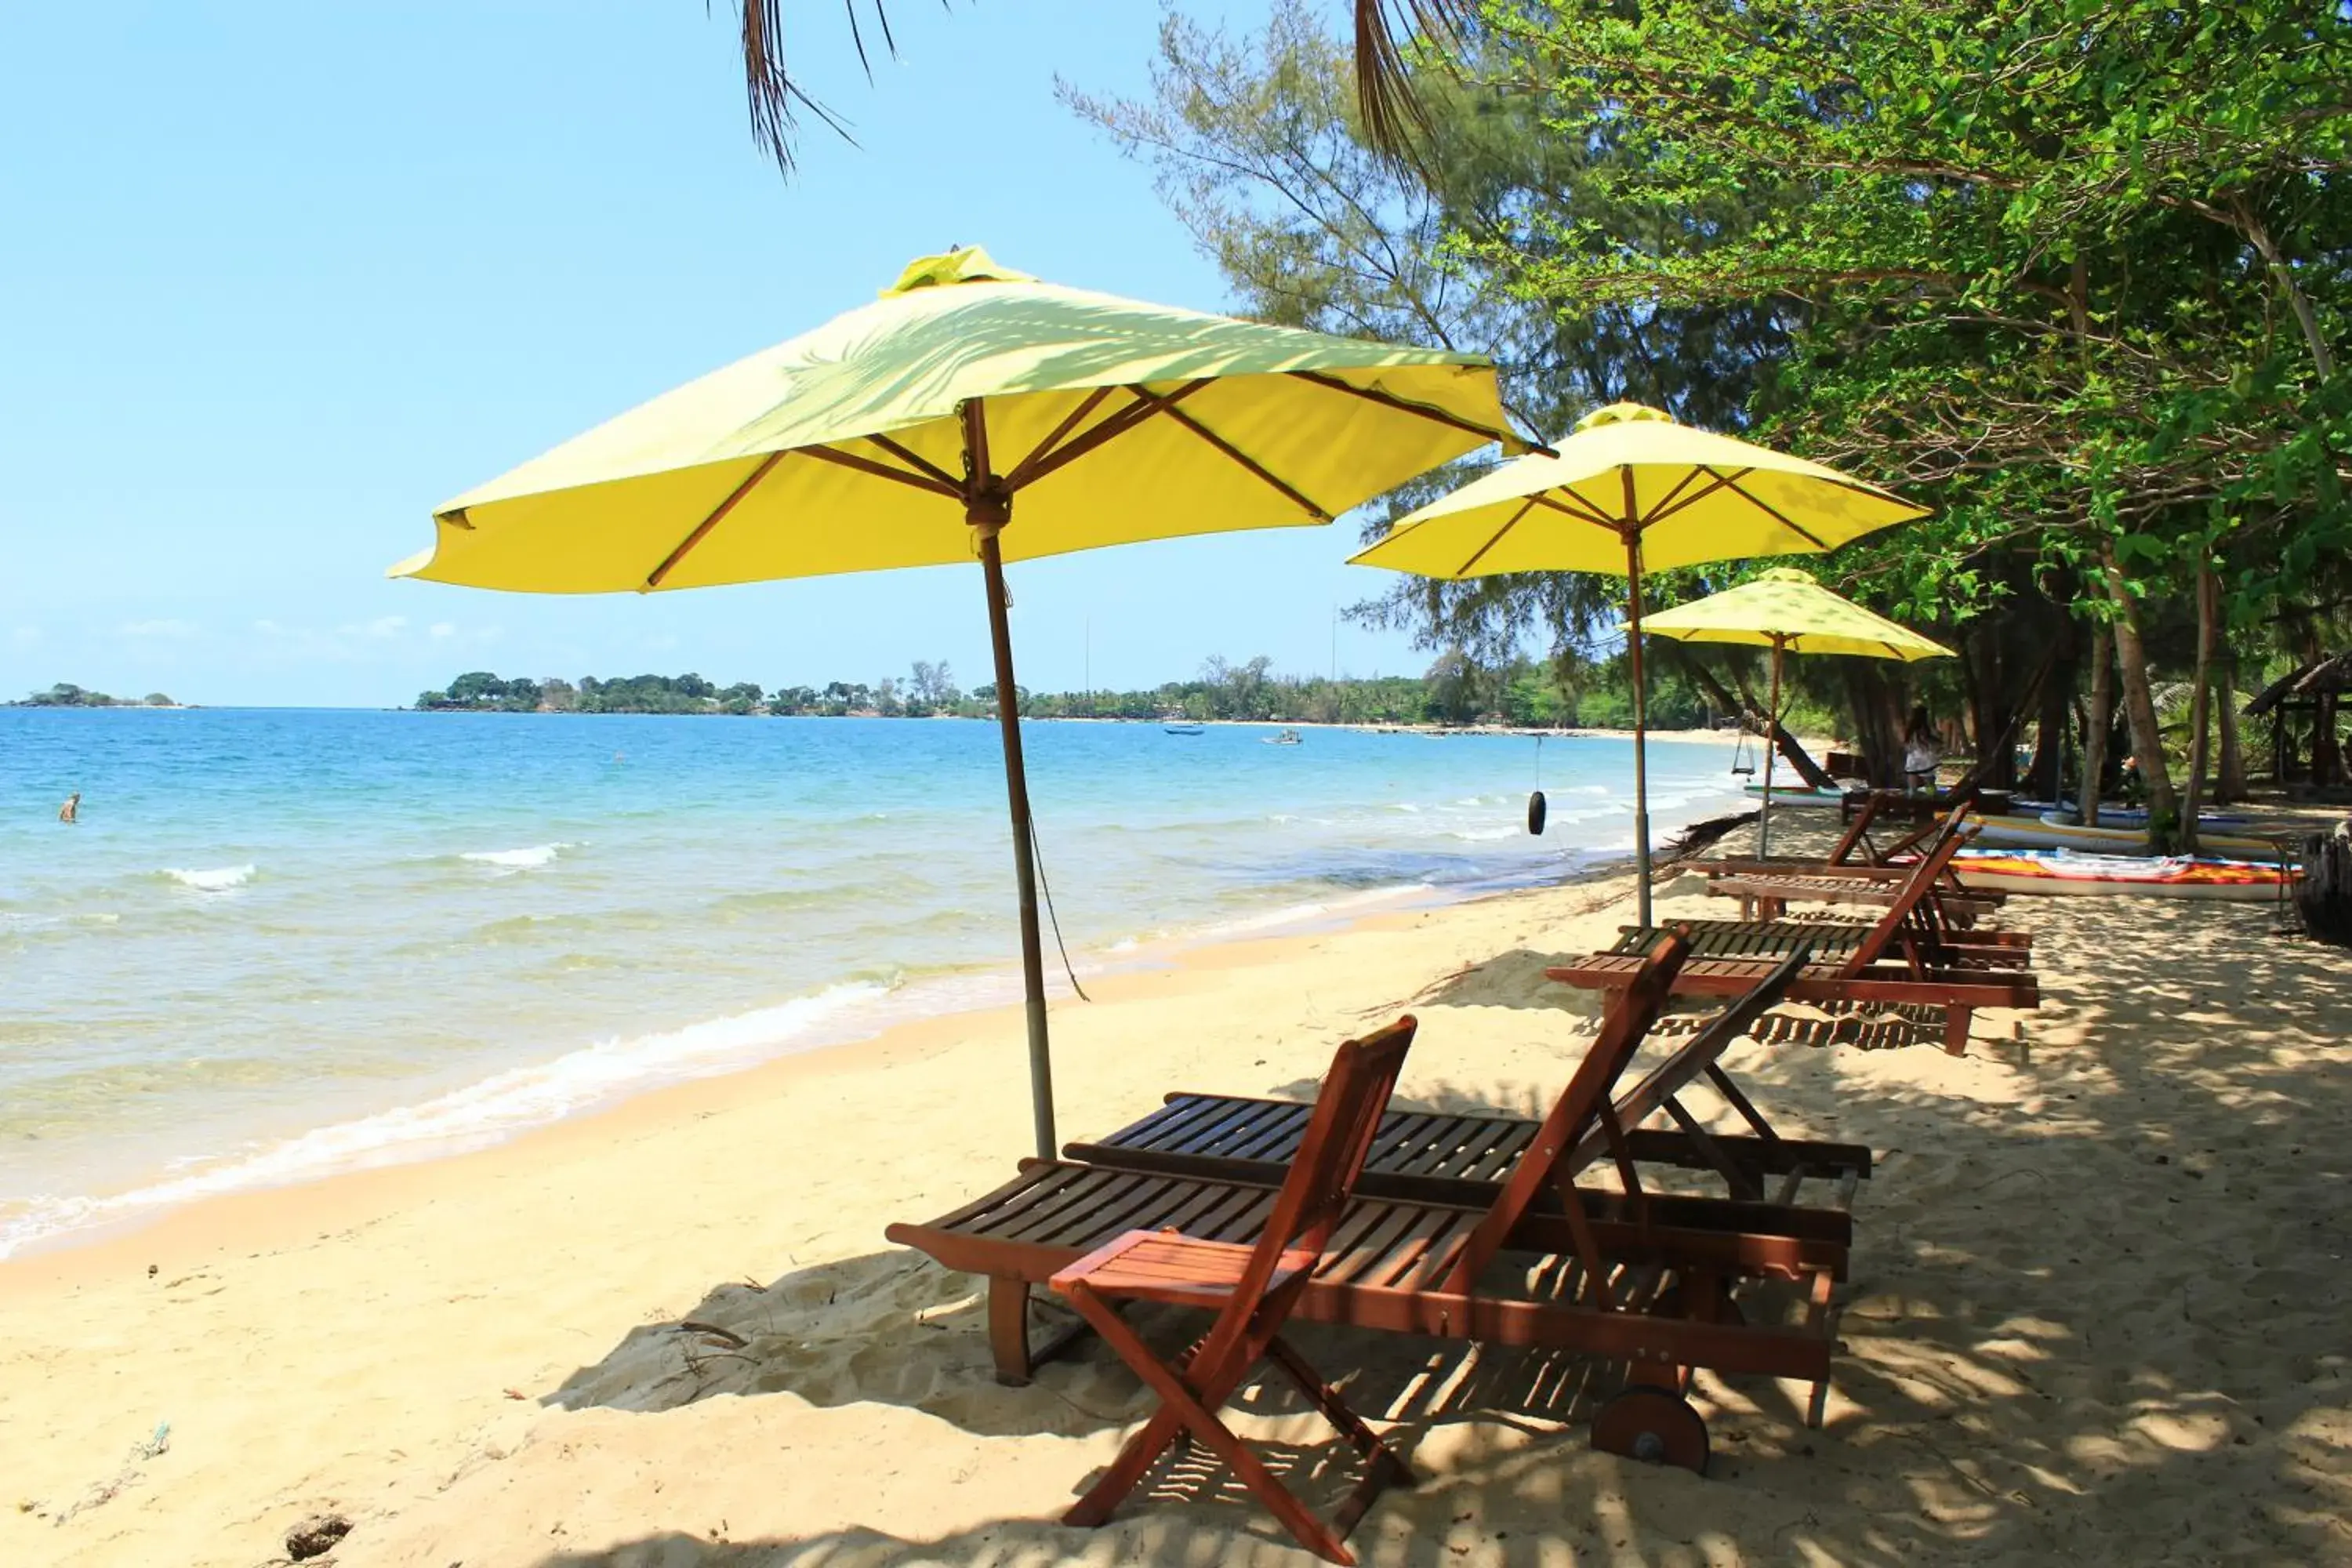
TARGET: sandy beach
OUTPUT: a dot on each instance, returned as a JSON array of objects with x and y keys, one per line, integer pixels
[{"x": 2095, "y": 1311}]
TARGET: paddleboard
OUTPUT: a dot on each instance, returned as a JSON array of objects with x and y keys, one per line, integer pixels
[
  {"x": 2166, "y": 875},
  {"x": 2050, "y": 831}
]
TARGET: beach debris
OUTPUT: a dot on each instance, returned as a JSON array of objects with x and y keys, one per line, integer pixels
[
  {"x": 106, "y": 1491},
  {"x": 724, "y": 1336},
  {"x": 316, "y": 1536}
]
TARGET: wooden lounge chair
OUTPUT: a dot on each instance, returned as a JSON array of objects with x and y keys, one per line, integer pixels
[
  {"x": 1902, "y": 959},
  {"x": 1631, "y": 1276},
  {"x": 1854, "y": 874},
  {"x": 1253, "y": 1289}
]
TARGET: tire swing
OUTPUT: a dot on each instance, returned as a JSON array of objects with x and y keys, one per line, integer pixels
[{"x": 1535, "y": 796}]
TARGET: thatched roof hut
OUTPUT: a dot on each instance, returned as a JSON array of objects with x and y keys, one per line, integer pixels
[{"x": 2303, "y": 685}]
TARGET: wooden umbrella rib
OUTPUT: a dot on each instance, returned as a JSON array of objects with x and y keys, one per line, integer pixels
[
  {"x": 1256, "y": 468},
  {"x": 702, "y": 529},
  {"x": 1373, "y": 394},
  {"x": 920, "y": 464},
  {"x": 1680, "y": 485},
  {"x": 1808, "y": 535},
  {"x": 1117, "y": 425},
  {"x": 1525, "y": 506},
  {"x": 1583, "y": 511},
  {"x": 1021, "y": 470},
  {"x": 939, "y": 486},
  {"x": 1667, "y": 507}
]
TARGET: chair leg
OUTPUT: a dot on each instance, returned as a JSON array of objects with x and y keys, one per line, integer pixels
[
  {"x": 1350, "y": 1425},
  {"x": 1383, "y": 1466},
  {"x": 1008, "y": 1331},
  {"x": 1955, "y": 1030},
  {"x": 1193, "y": 1412}
]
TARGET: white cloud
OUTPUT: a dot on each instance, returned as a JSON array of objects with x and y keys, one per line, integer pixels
[
  {"x": 171, "y": 631},
  {"x": 444, "y": 630},
  {"x": 25, "y": 636},
  {"x": 381, "y": 629}
]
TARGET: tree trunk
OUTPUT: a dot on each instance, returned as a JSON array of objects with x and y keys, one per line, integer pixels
[
  {"x": 2200, "y": 703},
  {"x": 2231, "y": 786},
  {"x": 2097, "y": 725},
  {"x": 2055, "y": 722},
  {"x": 2326, "y": 754},
  {"x": 1878, "y": 722},
  {"x": 2140, "y": 703},
  {"x": 1744, "y": 703}
]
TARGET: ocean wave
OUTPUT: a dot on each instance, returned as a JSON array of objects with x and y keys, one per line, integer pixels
[
  {"x": 528, "y": 859},
  {"x": 479, "y": 1114},
  {"x": 1483, "y": 835},
  {"x": 218, "y": 879},
  {"x": 1315, "y": 911}
]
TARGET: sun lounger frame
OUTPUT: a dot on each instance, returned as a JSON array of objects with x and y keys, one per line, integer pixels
[
  {"x": 1409, "y": 1257},
  {"x": 1897, "y": 963}
]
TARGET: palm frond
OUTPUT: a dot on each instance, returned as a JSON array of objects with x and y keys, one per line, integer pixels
[
  {"x": 776, "y": 100},
  {"x": 1393, "y": 115}
]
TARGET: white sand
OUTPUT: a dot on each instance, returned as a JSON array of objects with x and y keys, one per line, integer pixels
[{"x": 2096, "y": 1312}]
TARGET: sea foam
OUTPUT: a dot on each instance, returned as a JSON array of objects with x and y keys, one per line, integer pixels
[
  {"x": 529, "y": 859},
  {"x": 218, "y": 879},
  {"x": 480, "y": 1113}
]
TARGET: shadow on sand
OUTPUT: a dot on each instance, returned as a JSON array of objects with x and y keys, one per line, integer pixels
[{"x": 2098, "y": 1315}]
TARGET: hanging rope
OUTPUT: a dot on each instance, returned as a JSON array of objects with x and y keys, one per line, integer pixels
[{"x": 1038, "y": 853}]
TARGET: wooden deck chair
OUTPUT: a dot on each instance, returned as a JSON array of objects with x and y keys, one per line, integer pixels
[
  {"x": 1634, "y": 1277},
  {"x": 1463, "y": 1154},
  {"x": 1766, "y": 887},
  {"x": 1895, "y": 962},
  {"x": 1253, "y": 1290}
]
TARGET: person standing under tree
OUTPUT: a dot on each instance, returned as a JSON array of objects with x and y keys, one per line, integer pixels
[{"x": 1921, "y": 752}]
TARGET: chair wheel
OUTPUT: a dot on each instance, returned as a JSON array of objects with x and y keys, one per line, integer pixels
[{"x": 1653, "y": 1425}]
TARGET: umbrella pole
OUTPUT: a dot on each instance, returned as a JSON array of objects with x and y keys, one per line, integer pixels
[
  {"x": 1641, "y": 727},
  {"x": 1024, "y": 867},
  {"x": 1771, "y": 736}
]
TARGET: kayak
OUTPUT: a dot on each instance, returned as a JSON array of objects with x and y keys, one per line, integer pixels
[
  {"x": 2051, "y": 831},
  {"x": 2166, "y": 875},
  {"x": 2111, "y": 814},
  {"x": 1783, "y": 796}
]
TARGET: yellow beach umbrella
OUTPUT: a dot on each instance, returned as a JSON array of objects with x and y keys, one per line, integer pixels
[
  {"x": 1634, "y": 489},
  {"x": 971, "y": 414},
  {"x": 1789, "y": 613}
]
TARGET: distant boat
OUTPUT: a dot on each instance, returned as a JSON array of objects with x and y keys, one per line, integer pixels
[
  {"x": 1288, "y": 738},
  {"x": 1182, "y": 728}
]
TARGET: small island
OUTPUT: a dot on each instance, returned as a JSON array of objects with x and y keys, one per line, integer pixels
[{"x": 66, "y": 695}]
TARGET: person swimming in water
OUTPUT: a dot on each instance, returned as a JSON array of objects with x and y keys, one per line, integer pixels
[{"x": 72, "y": 810}]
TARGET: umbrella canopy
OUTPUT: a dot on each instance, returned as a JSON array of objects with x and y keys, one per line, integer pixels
[
  {"x": 1789, "y": 610},
  {"x": 971, "y": 414},
  {"x": 1632, "y": 489},
  {"x": 844, "y": 450},
  {"x": 1789, "y": 613}
]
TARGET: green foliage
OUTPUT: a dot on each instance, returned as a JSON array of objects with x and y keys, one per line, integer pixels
[
  {"x": 2078, "y": 276},
  {"x": 66, "y": 695},
  {"x": 1456, "y": 689}
]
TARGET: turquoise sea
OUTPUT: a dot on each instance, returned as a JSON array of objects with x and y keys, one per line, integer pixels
[{"x": 282, "y": 942}]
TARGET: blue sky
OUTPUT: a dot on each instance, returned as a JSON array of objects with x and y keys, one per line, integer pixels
[{"x": 278, "y": 277}]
